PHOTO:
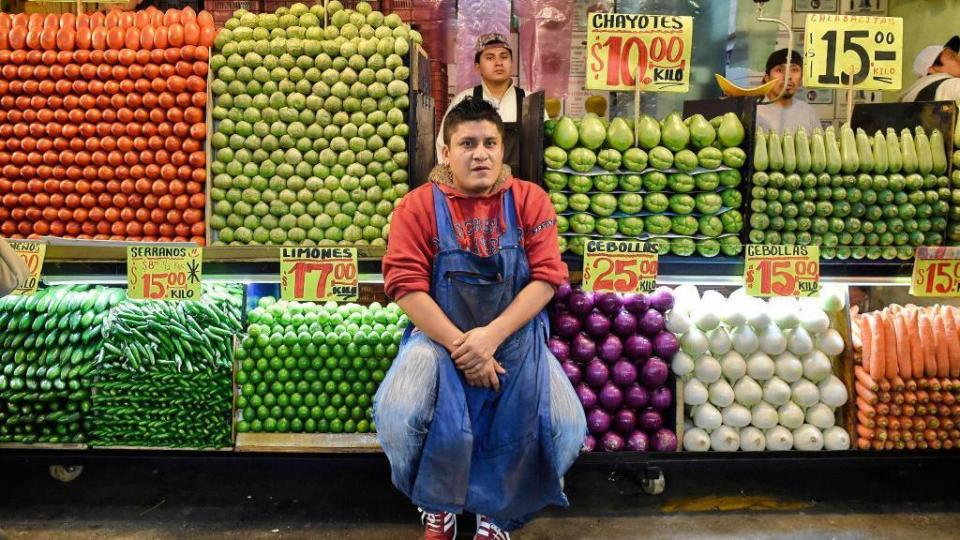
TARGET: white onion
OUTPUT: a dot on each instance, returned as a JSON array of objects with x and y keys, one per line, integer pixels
[
  {"x": 830, "y": 342},
  {"x": 778, "y": 438},
  {"x": 694, "y": 342},
  {"x": 725, "y": 439},
  {"x": 788, "y": 367},
  {"x": 763, "y": 415},
  {"x": 747, "y": 391},
  {"x": 756, "y": 311},
  {"x": 760, "y": 366},
  {"x": 799, "y": 342},
  {"x": 833, "y": 392},
  {"x": 682, "y": 364},
  {"x": 821, "y": 416},
  {"x": 816, "y": 366},
  {"x": 696, "y": 440},
  {"x": 776, "y": 392},
  {"x": 707, "y": 416},
  {"x": 721, "y": 393},
  {"x": 694, "y": 392},
  {"x": 807, "y": 438},
  {"x": 744, "y": 339},
  {"x": 718, "y": 341},
  {"x": 686, "y": 297},
  {"x": 832, "y": 298},
  {"x": 814, "y": 320},
  {"x": 790, "y": 415},
  {"x": 784, "y": 311},
  {"x": 834, "y": 438},
  {"x": 736, "y": 415},
  {"x": 733, "y": 366},
  {"x": 705, "y": 316},
  {"x": 677, "y": 322},
  {"x": 772, "y": 340},
  {"x": 707, "y": 369},
  {"x": 804, "y": 393},
  {"x": 752, "y": 439}
]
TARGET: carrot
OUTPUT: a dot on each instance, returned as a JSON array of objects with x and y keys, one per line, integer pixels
[
  {"x": 895, "y": 436},
  {"x": 865, "y": 421},
  {"x": 863, "y": 444},
  {"x": 904, "y": 363},
  {"x": 865, "y": 407},
  {"x": 880, "y": 434},
  {"x": 953, "y": 340},
  {"x": 883, "y": 409},
  {"x": 897, "y": 398},
  {"x": 896, "y": 410},
  {"x": 909, "y": 410},
  {"x": 912, "y": 383},
  {"x": 948, "y": 444},
  {"x": 865, "y": 432},
  {"x": 885, "y": 385},
  {"x": 865, "y": 379},
  {"x": 942, "y": 352},
  {"x": 865, "y": 393},
  {"x": 933, "y": 384},
  {"x": 885, "y": 397},
  {"x": 936, "y": 397},
  {"x": 881, "y": 422},
  {"x": 908, "y": 435},
  {"x": 898, "y": 384},
  {"x": 866, "y": 338},
  {"x": 923, "y": 396},
  {"x": 890, "y": 342},
  {"x": 911, "y": 445},
  {"x": 894, "y": 423},
  {"x": 916, "y": 349},
  {"x": 877, "y": 347},
  {"x": 927, "y": 344},
  {"x": 876, "y": 445},
  {"x": 910, "y": 398},
  {"x": 906, "y": 423}
]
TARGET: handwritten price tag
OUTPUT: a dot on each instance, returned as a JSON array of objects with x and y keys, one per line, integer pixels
[
  {"x": 936, "y": 272},
  {"x": 164, "y": 273},
  {"x": 623, "y": 267},
  {"x": 32, "y": 254},
  {"x": 319, "y": 274},
  {"x": 869, "y": 48},
  {"x": 782, "y": 271},
  {"x": 624, "y": 46}
]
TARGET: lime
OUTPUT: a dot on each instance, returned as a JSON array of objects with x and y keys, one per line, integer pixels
[
  {"x": 363, "y": 426},
  {"x": 269, "y": 400},
  {"x": 310, "y": 425},
  {"x": 350, "y": 400},
  {"x": 330, "y": 413},
  {"x": 336, "y": 426},
  {"x": 256, "y": 426},
  {"x": 243, "y": 426}
]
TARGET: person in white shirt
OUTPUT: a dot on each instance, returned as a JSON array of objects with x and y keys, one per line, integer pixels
[
  {"x": 939, "y": 70},
  {"x": 494, "y": 61},
  {"x": 787, "y": 113}
]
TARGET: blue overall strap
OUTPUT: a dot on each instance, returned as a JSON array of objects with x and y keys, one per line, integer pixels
[
  {"x": 511, "y": 236},
  {"x": 445, "y": 232}
]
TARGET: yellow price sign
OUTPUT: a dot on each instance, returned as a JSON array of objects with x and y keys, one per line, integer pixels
[
  {"x": 32, "y": 254},
  {"x": 936, "y": 272},
  {"x": 164, "y": 272},
  {"x": 620, "y": 266},
  {"x": 868, "y": 49},
  {"x": 782, "y": 270},
  {"x": 622, "y": 47},
  {"x": 315, "y": 274}
]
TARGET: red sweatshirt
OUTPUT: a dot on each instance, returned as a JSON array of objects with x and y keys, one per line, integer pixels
[{"x": 408, "y": 264}]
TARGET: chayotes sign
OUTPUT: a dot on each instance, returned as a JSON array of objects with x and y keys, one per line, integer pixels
[
  {"x": 32, "y": 254},
  {"x": 621, "y": 45},
  {"x": 620, "y": 266},
  {"x": 868, "y": 48},
  {"x": 314, "y": 274},
  {"x": 164, "y": 272},
  {"x": 782, "y": 271},
  {"x": 936, "y": 272}
]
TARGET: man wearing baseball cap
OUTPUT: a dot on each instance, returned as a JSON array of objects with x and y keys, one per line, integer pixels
[
  {"x": 494, "y": 61},
  {"x": 786, "y": 113},
  {"x": 938, "y": 67}
]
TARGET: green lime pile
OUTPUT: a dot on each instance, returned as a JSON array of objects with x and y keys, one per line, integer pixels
[
  {"x": 309, "y": 368},
  {"x": 855, "y": 195},
  {"x": 674, "y": 182},
  {"x": 165, "y": 376},
  {"x": 310, "y": 144},
  {"x": 49, "y": 343}
]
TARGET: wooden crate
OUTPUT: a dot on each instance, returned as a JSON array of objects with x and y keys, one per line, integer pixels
[{"x": 324, "y": 443}]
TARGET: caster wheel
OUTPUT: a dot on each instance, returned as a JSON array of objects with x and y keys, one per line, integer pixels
[
  {"x": 654, "y": 486},
  {"x": 66, "y": 473}
]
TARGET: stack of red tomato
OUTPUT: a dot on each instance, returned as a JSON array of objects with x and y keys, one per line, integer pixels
[{"x": 102, "y": 124}]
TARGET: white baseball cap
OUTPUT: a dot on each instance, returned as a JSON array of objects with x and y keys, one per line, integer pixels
[{"x": 929, "y": 55}]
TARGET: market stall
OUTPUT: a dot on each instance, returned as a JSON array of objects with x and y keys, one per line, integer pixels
[{"x": 795, "y": 304}]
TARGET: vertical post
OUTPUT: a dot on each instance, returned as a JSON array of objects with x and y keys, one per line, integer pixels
[
  {"x": 636, "y": 104},
  {"x": 850, "y": 93}
]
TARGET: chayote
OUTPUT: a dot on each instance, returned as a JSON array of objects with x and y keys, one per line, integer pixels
[
  {"x": 609, "y": 159},
  {"x": 635, "y": 159},
  {"x": 661, "y": 158},
  {"x": 631, "y": 182},
  {"x": 606, "y": 182},
  {"x": 655, "y": 181},
  {"x": 631, "y": 226},
  {"x": 555, "y": 157},
  {"x": 685, "y": 160},
  {"x": 710, "y": 157},
  {"x": 656, "y": 203},
  {"x": 603, "y": 204},
  {"x": 681, "y": 183},
  {"x": 683, "y": 203},
  {"x": 708, "y": 203},
  {"x": 630, "y": 203},
  {"x": 658, "y": 224},
  {"x": 580, "y": 184},
  {"x": 708, "y": 181},
  {"x": 581, "y": 159},
  {"x": 555, "y": 181}
]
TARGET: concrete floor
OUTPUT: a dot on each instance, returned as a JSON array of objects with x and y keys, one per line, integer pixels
[{"x": 344, "y": 500}]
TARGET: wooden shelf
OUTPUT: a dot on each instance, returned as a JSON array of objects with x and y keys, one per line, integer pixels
[{"x": 327, "y": 443}]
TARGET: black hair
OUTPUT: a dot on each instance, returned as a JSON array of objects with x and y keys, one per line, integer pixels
[
  {"x": 779, "y": 58},
  {"x": 471, "y": 109},
  {"x": 476, "y": 57}
]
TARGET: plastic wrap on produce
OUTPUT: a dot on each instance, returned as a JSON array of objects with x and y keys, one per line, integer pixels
[
  {"x": 545, "y": 30},
  {"x": 475, "y": 19}
]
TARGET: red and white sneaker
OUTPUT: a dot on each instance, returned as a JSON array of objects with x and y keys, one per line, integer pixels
[
  {"x": 439, "y": 525},
  {"x": 486, "y": 530}
]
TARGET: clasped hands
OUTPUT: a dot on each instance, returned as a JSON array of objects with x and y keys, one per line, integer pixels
[{"x": 472, "y": 353}]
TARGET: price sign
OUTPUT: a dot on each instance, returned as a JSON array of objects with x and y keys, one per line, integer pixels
[
  {"x": 782, "y": 270},
  {"x": 936, "y": 272},
  {"x": 624, "y": 46},
  {"x": 623, "y": 267},
  {"x": 314, "y": 274},
  {"x": 870, "y": 49},
  {"x": 32, "y": 254},
  {"x": 164, "y": 272}
]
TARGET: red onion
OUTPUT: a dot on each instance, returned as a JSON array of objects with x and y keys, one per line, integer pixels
[
  {"x": 597, "y": 374},
  {"x": 661, "y": 299},
  {"x": 665, "y": 441},
  {"x": 582, "y": 348},
  {"x": 596, "y": 324},
  {"x": 625, "y": 324},
  {"x": 625, "y": 421},
  {"x": 572, "y": 371},
  {"x": 610, "y": 397},
  {"x": 559, "y": 348},
  {"x": 610, "y": 348},
  {"x": 662, "y": 399},
  {"x": 636, "y": 303},
  {"x": 651, "y": 323},
  {"x": 581, "y": 302},
  {"x": 598, "y": 421},
  {"x": 608, "y": 303},
  {"x": 589, "y": 443},
  {"x": 566, "y": 325},
  {"x": 624, "y": 373},
  {"x": 650, "y": 420},
  {"x": 665, "y": 345},
  {"x": 654, "y": 373},
  {"x": 637, "y": 347},
  {"x": 588, "y": 398},
  {"x": 637, "y": 397},
  {"x": 563, "y": 291},
  {"x": 638, "y": 442},
  {"x": 612, "y": 442}
]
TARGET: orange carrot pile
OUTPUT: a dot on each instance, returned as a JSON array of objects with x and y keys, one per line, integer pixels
[{"x": 907, "y": 378}]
